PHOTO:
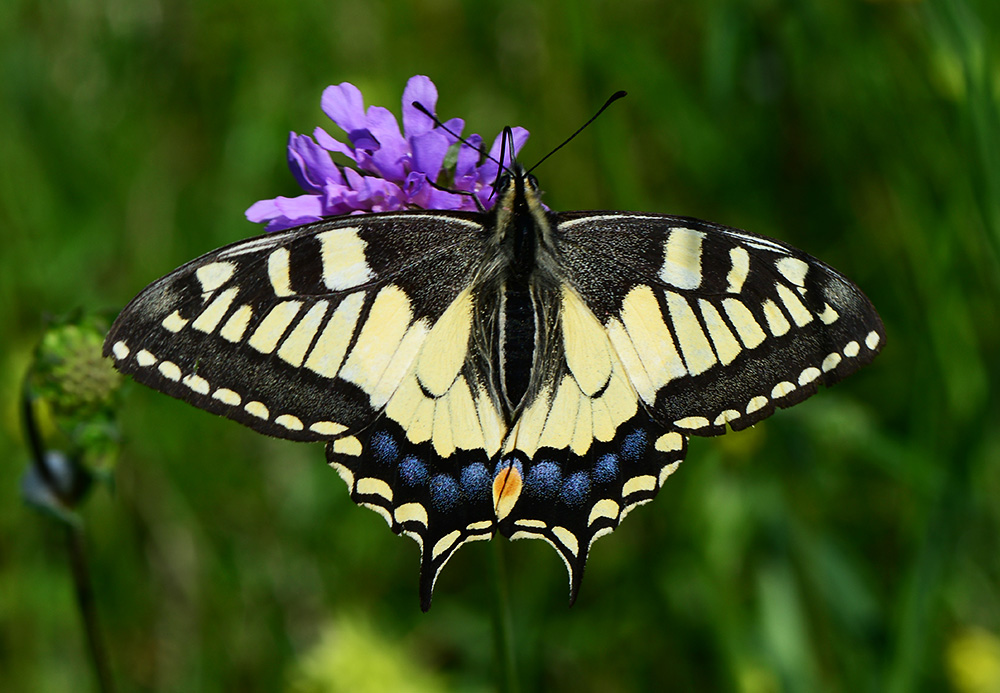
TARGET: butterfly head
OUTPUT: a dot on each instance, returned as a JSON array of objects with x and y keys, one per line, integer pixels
[{"x": 519, "y": 200}]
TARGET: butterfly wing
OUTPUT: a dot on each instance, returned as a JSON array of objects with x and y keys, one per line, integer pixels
[
  {"x": 333, "y": 332},
  {"x": 665, "y": 326},
  {"x": 715, "y": 325},
  {"x": 583, "y": 451}
]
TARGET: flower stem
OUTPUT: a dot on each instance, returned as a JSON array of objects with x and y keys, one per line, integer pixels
[
  {"x": 503, "y": 632},
  {"x": 83, "y": 587},
  {"x": 88, "y": 611}
]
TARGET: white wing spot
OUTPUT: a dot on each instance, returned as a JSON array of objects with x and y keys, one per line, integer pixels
[
  {"x": 723, "y": 340},
  {"x": 411, "y": 512},
  {"x": 327, "y": 353},
  {"x": 829, "y": 315},
  {"x": 872, "y": 340},
  {"x": 852, "y": 349},
  {"x": 445, "y": 543},
  {"x": 756, "y": 404},
  {"x": 265, "y": 338},
  {"x": 793, "y": 269},
  {"x": 782, "y": 389},
  {"x": 370, "y": 486},
  {"x": 669, "y": 442},
  {"x": 698, "y": 354},
  {"x": 727, "y": 416},
  {"x": 327, "y": 428},
  {"x": 603, "y": 508},
  {"x": 532, "y": 524},
  {"x": 682, "y": 258},
  {"x": 227, "y": 396},
  {"x": 145, "y": 358},
  {"x": 279, "y": 273},
  {"x": 800, "y": 314},
  {"x": 251, "y": 246},
  {"x": 668, "y": 470},
  {"x": 567, "y": 539},
  {"x": 257, "y": 409},
  {"x": 740, "y": 260},
  {"x": 343, "y": 257},
  {"x": 378, "y": 509},
  {"x": 691, "y": 422},
  {"x": 196, "y": 383},
  {"x": 120, "y": 350},
  {"x": 747, "y": 327},
  {"x": 294, "y": 348},
  {"x": 216, "y": 310},
  {"x": 348, "y": 445},
  {"x": 236, "y": 326},
  {"x": 292, "y": 423},
  {"x": 214, "y": 275},
  {"x": 776, "y": 320},
  {"x": 170, "y": 370},
  {"x": 346, "y": 474},
  {"x": 638, "y": 484},
  {"x": 831, "y": 361},
  {"x": 174, "y": 322},
  {"x": 808, "y": 375}
]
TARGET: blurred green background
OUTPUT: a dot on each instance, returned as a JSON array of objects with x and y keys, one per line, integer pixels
[{"x": 849, "y": 544}]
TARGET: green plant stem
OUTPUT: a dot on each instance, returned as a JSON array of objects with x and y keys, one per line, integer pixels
[
  {"x": 83, "y": 588},
  {"x": 503, "y": 632}
]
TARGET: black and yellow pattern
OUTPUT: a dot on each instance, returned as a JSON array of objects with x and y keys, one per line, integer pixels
[{"x": 519, "y": 371}]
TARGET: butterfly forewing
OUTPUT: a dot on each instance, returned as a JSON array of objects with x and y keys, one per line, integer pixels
[
  {"x": 715, "y": 325},
  {"x": 296, "y": 334}
]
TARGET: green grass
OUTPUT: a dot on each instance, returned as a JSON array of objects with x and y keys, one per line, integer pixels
[{"x": 850, "y": 543}]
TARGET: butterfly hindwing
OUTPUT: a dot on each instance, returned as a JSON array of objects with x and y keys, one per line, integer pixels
[
  {"x": 715, "y": 325},
  {"x": 425, "y": 464},
  {"x": 583, "y": 451}
]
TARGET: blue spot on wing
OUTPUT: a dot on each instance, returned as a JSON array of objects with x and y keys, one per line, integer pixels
[
  {"x": 384, "y": 448},
  {"x": 476, "y": 481},
  {"x": 413, "y": 471},
  {"x": 606, "y": 469},
  {"x": 445, "y": 492},
  {"x": 634, "y": 446},
  {"x": 543, "y": 479},
  {"x": 576, "y": 490}
]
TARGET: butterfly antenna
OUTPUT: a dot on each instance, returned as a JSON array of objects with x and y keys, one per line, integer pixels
[
  {"x": 420, "y": 107},
  {"x": 614, "y": 97}
]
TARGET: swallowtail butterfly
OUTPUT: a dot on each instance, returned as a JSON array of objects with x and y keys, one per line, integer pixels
[{"x": 519, "y": 371}]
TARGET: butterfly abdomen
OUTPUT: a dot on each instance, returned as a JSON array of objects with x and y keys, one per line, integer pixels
[{"x": 516, "y": 336}]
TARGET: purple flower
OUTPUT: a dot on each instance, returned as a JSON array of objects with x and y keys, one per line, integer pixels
[{"x": 393, "y": 170}]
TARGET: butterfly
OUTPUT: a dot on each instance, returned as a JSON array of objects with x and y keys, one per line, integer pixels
[{"x": 519, "y": 371}]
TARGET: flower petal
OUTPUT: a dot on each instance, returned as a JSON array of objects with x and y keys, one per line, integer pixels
[
  {"x": 331, "y": 144},
  {"x": 345, "y": 106},
  {"x": 286, "y": 212},
  {"x": 466, "y": 165},
  {"x": 428, "y": 154},
  {"x": 421, "y": 89},
  {"x": 310, "y": 164},
  {"x": 391, "y": 157}
]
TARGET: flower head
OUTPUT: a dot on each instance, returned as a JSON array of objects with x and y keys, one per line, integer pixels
[{"x": 393, "y": 170}]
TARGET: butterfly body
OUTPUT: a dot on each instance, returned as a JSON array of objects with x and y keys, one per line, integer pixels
[{"x": 519, "y": 370}]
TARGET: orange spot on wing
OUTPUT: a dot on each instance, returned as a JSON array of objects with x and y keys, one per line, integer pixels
[{"x": 507, "y": 486}]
